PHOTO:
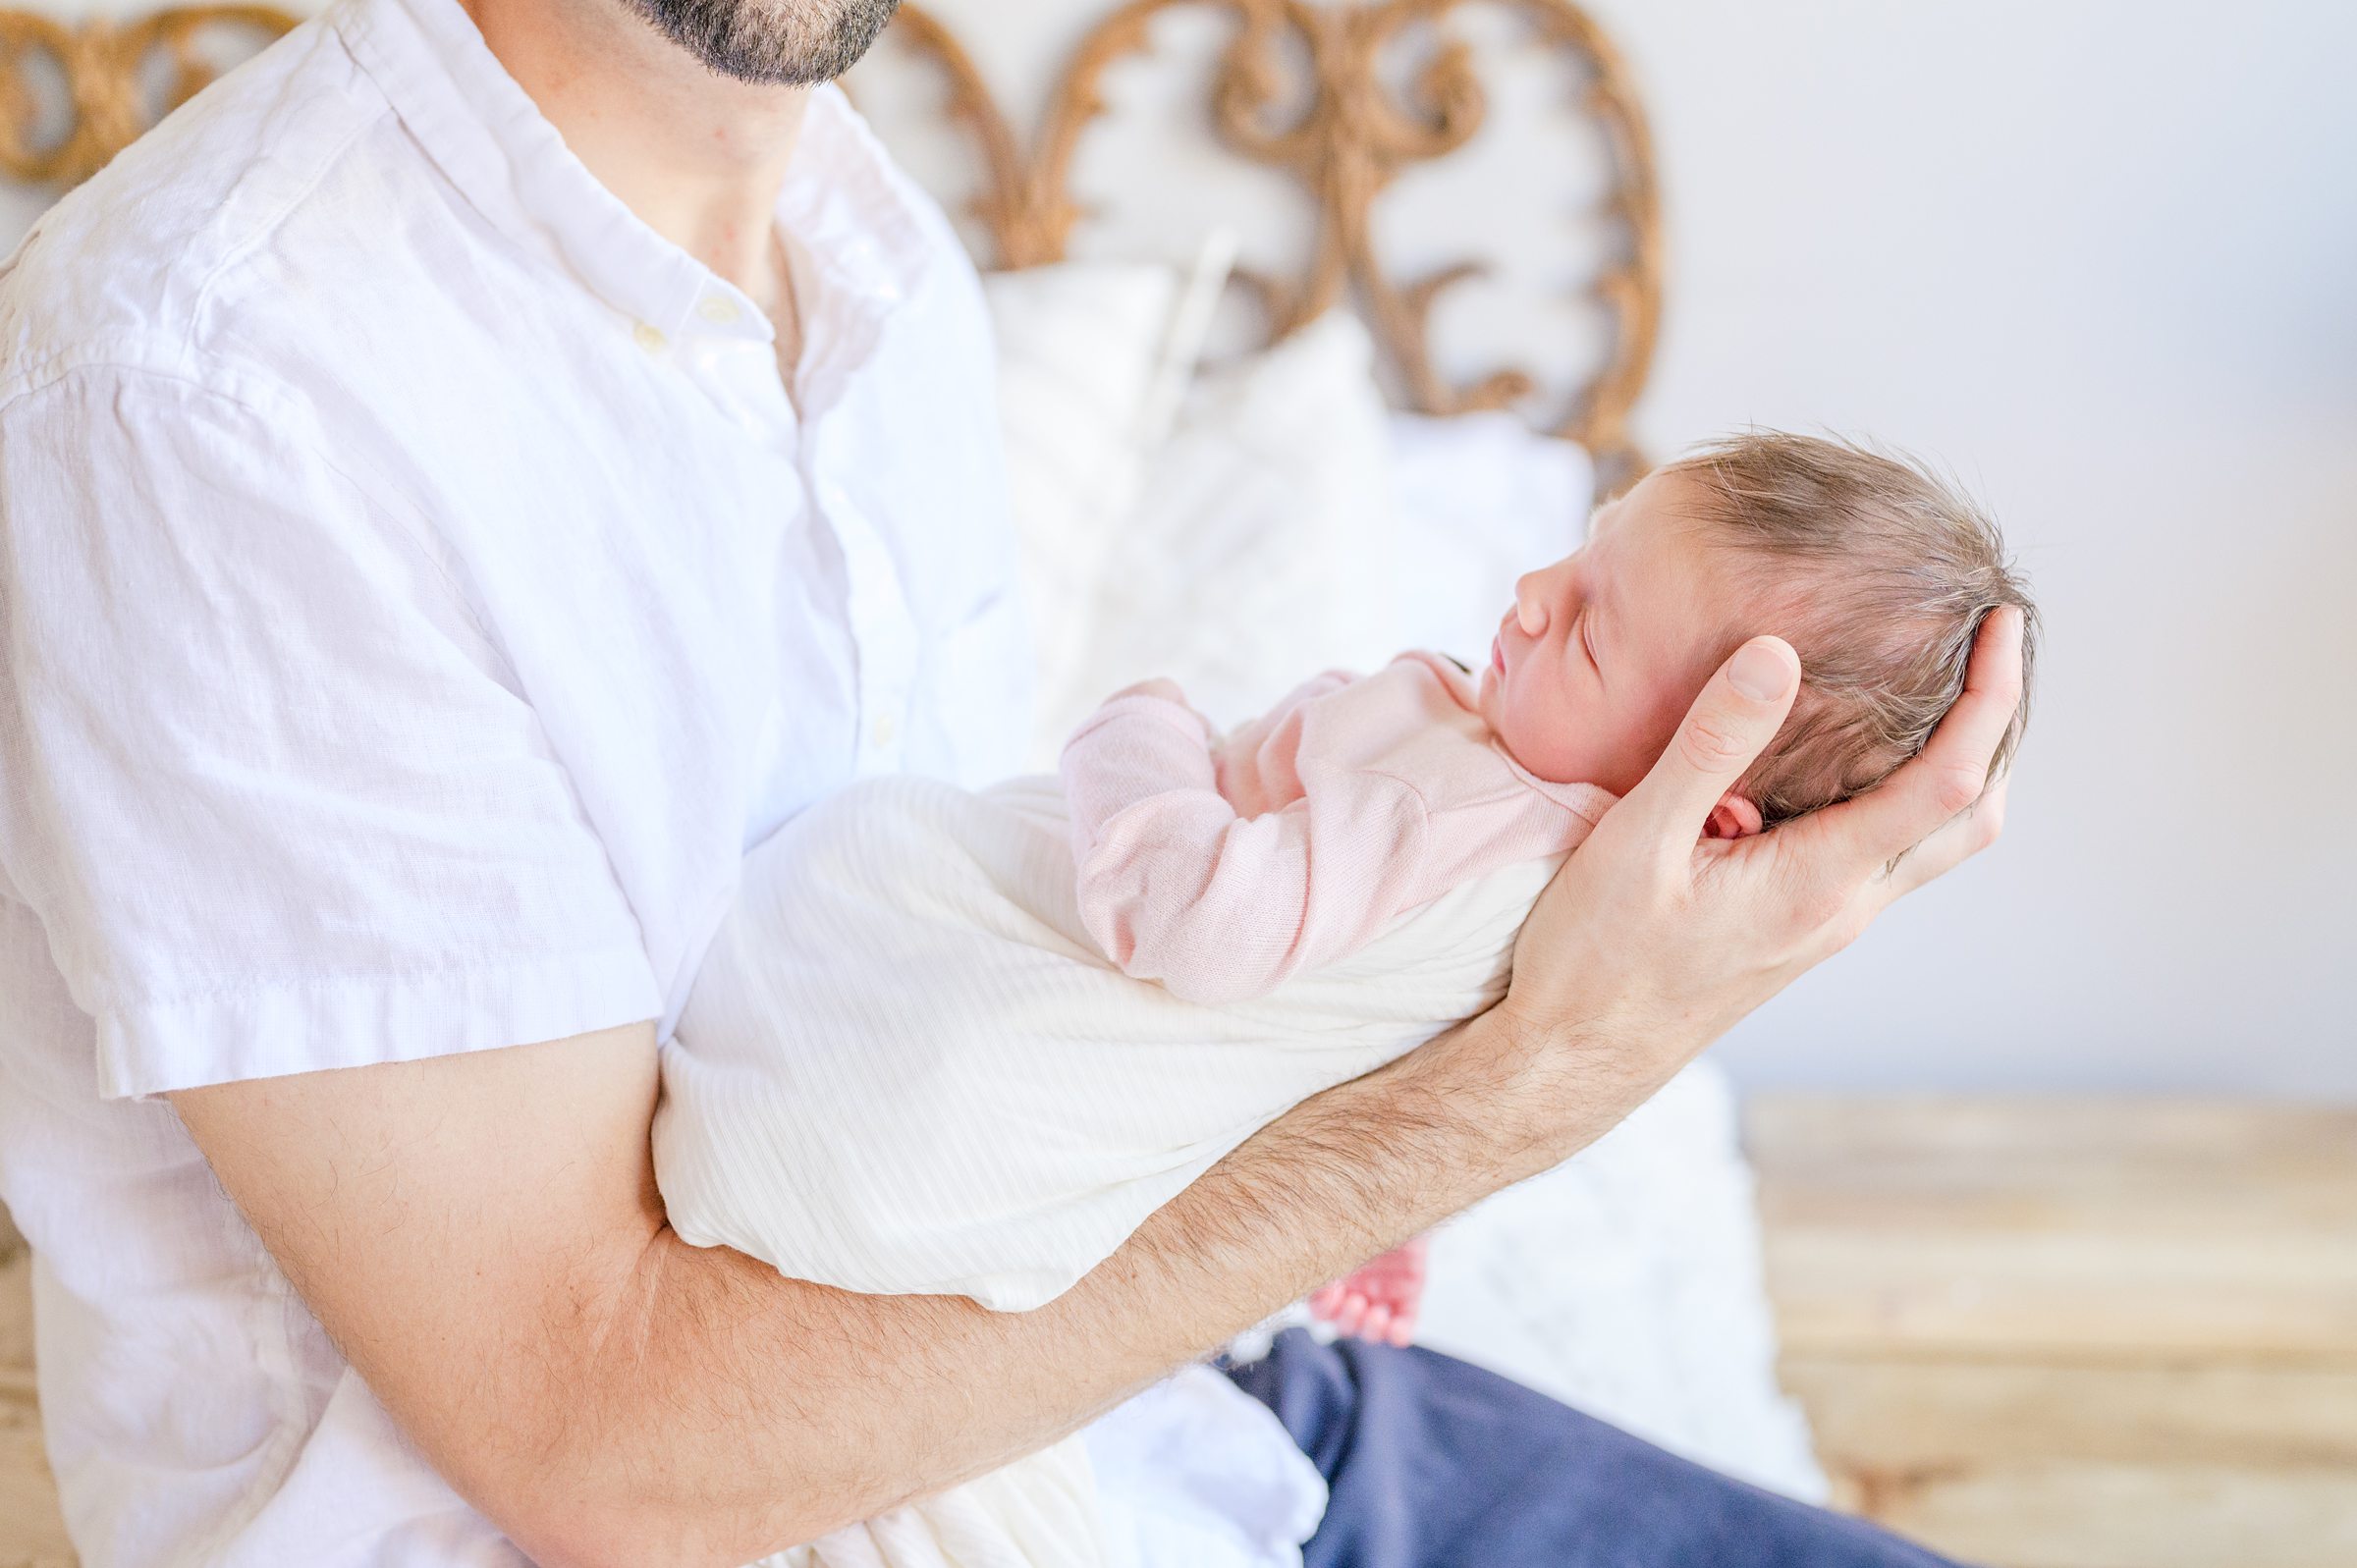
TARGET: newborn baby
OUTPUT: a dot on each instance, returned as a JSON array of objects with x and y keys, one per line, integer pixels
[
  {"x": 965, "y": 1043},
  {"x": 1221, "y": 868}
]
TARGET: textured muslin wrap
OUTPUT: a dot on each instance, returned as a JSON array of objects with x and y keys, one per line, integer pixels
[{"x": 905, "y": 1069}]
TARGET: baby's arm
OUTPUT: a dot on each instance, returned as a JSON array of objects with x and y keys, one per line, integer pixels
[
  {"x": 1176, "y": 887},
  {"x": 1142, "y": 740}
]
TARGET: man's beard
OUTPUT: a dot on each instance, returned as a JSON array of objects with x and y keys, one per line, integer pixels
[{"x": 773, "y": 42}]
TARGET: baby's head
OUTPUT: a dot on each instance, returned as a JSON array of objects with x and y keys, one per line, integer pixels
[{"x": 1876, "y": 572}]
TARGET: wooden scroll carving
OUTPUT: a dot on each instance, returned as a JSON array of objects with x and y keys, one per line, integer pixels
[
  {"x": 1007, "y": 203},
  {"x": 102, "y": 67},
  {"x": 1350, "y": 137}
]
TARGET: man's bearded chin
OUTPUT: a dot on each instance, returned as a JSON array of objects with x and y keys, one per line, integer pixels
[{"x": 772, "y": 43}]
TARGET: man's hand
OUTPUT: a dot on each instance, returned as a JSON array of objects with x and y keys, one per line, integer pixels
[{"x": 1651, "y": 940}]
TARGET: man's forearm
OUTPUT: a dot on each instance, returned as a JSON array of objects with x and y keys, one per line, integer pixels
[{"x": 783, "y": 1409}]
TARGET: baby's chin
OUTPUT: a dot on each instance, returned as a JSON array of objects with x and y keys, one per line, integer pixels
[
  {"x": 1614, "y": 770},
  {"x": 1489, "y": 701}
]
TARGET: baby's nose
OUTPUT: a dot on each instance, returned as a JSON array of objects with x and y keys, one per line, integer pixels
[{"x": 1529, "y": 614}]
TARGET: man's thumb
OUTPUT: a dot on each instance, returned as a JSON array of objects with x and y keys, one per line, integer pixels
[{"x": 1731, "y": 723}]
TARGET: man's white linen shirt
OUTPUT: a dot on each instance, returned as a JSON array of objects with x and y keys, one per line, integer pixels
[{"x": 417, "y": 591}]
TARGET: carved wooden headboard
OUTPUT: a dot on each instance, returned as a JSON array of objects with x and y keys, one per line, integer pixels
[{"x": 1340, "y": 95}]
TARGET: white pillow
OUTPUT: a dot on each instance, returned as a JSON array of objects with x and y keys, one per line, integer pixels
[
  {"x": 1081, "y": 356},
  {"x": 1482, "y": 499},
  {"x": 1260, "y": 550},
  {"x": 1628, "y": 1282}
]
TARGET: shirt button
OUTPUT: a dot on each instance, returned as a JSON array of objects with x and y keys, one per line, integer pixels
[
  {"x": 648, "y": 338},
  {"x": 716, "y": 308},
  {"x": 885, "y": 731}
]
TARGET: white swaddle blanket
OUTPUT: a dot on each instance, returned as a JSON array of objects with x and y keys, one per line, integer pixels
[{"x": 905, "y": 1067}]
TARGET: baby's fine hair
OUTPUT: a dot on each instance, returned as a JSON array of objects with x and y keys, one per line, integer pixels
[{"x": 1880, "y": 574}]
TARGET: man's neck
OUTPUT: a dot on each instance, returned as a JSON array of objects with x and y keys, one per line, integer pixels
[{"x": 697, "y": 155}]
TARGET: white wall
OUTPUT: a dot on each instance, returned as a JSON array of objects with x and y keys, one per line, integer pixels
[{"x": 2102, "y": 258}]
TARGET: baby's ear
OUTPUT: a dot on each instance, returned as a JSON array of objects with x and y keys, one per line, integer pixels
[{"x": 1734, "y": 817}]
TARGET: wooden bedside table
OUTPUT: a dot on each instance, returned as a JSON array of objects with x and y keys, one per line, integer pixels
[{"x": 2074, "y": 1334}]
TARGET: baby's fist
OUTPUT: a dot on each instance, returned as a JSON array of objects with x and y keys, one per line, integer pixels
[{"x": 1379, "y": 1301}]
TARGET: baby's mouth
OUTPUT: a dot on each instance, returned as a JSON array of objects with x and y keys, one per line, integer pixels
[{"x": 1498, "y": 654}]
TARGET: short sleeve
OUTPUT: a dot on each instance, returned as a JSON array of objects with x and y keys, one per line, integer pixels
[{"x": 273, "y": 794}]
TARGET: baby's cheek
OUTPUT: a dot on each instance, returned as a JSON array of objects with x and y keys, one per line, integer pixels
[
  {"x": 1626, "y": 757},
  {"x": 1623, "y": 747},
  {"x": 1584, "y": 744}
]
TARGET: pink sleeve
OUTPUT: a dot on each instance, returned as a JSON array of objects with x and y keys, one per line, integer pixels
[
  {"x": 1174, "y": 887},
  {"x": 1129, "y": 750}
]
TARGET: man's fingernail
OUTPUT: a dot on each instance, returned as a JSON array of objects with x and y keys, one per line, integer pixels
[{"x": 1758, "y": 672}]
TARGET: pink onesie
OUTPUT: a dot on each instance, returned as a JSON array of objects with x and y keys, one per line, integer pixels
[{"x": 1221, "y": 869}]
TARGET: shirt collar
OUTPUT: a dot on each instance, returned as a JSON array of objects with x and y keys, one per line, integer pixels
[{"x": 843, "y": 204}]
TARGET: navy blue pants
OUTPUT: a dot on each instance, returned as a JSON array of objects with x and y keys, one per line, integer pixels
[{"x": 1437, "y": 1464}]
